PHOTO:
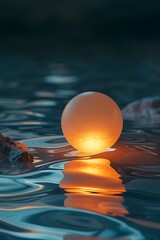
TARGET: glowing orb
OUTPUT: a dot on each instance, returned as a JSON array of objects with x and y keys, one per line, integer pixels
[{"x": 91, "y": 122}]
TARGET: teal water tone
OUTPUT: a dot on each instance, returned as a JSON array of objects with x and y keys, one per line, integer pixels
[{"x": 66, "y": 195}]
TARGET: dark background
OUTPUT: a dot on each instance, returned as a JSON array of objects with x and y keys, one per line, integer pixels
[{"x": 80, "y": 22}]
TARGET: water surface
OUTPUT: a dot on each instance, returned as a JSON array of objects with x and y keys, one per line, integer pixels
[{"x": 68, "y": 195}]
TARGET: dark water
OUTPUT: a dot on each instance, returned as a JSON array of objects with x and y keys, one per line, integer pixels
[{"x": 113, "y": 195}]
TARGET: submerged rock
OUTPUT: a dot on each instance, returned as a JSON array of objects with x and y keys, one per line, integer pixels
[
  {"x": 14, "y": 156},
  {"x": 146, "y": 109}
]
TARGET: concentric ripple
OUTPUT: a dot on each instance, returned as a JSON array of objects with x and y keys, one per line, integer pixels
[{"x": 43, "y": 222}]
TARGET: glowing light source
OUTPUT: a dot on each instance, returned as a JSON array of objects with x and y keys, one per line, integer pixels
[{"x": 91, "y": 122}]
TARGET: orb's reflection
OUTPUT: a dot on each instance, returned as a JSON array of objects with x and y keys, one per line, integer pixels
[{"x": 93, "y": 185}]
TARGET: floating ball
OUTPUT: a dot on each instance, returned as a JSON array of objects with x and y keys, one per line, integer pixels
[{"x": 91, "y": 122}]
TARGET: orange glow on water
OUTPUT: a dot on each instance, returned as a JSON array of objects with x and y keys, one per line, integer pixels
[
  {"x": 96, "y": 167},
  {"x": 93, "y": 185},
  {"x": 110, "y": 205},
  {"x": 91, "y": 122}
]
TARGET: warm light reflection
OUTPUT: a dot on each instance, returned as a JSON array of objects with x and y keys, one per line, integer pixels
[{"x": 93, "y": 185}]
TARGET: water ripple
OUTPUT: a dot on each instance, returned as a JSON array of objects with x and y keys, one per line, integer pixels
[
  {"x": 60, "y": 79},
  {"x": 23, "y": 104},
  {"x": 66, "y": 194},
  {"x": 39, "y": 222}
]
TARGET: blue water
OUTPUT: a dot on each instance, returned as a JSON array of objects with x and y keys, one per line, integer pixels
[{"x": 67, "y": 195}]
